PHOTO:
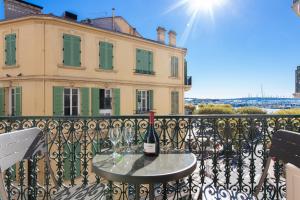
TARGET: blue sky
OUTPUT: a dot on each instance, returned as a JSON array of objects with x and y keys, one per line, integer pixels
[{"x": 245, "y": 45}]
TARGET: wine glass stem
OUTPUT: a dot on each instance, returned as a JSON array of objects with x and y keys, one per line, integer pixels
[{"x": 114, "y": 150}]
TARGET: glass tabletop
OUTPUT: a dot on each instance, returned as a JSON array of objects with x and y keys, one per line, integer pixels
[{"x": 138, "y": 168}]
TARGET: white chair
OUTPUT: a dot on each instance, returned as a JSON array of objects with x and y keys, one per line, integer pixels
[{"x": 21, "y": 145}]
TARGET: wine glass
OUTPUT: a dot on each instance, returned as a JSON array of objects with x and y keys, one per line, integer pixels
[
  {"x": 115, "y": 137},
  {"x": 128, "y": 135}
]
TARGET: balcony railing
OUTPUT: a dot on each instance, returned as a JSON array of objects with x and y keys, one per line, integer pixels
[
  {"x": 140, "y": 71},
  {"x": 231, "y": 152},
  {"x": 188, "y": 81}
]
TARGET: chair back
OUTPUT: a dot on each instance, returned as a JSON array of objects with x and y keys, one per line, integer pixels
[
  {"x": 19, "y": 145},
  {"x": 286, "y": 147}
]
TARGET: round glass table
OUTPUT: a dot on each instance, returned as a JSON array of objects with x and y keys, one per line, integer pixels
[{"x": 136, "y": 168}]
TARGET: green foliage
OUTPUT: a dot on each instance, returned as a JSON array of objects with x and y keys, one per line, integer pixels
[
  {"x": 293, "y": 111},
  {"x": 250, "y": 110},
  {"x": 214, "y": 109},
  {"x": 190, "y": 107}
]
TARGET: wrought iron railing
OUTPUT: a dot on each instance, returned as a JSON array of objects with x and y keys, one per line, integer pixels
[{"x": 231, "y": 152}]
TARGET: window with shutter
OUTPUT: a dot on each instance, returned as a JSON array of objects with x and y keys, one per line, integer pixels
[
  {"x": 174, "y": 66},
  {"x": 144, "y": 62},
  {"x": 71, "y": 102},
  {"x": 144, "y": 101},
  {"x": 71, "y": 50},
  {"x": 106, "y": 55},
  {"x": 71, "y": 160},
  {"x": 10, "y": 49}
]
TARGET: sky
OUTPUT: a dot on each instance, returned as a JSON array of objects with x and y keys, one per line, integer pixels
[{"x": 237, "y": 48}]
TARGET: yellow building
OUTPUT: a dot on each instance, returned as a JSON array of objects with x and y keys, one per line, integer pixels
[{"x": 59, "y": 66}]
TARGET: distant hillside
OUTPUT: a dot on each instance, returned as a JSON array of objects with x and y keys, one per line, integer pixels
[{"x": 265, "y": 102}]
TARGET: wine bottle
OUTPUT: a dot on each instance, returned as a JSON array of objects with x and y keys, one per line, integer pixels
[{"x": 151, "y": 140}]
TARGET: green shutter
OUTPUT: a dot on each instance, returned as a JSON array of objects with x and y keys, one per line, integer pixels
[
  {"x": 106, "y": 55},
  {"x": 71, "y": 160},
  {"x": 145, "y": 61},
  {"x": 76, "y": 52},
  {"x": 109, "y": 54},
  {"x": 10, "y": 49},
  {"x": 95, "y": 102},
  {"x": 18, "y": 101},
  {"x": 71, "y": 50},
  {"x": 67, "y": 48},
  {"x": 2, "y": 101},
  {"x": 150, "y": 99},
  {"x": 102, "y": 47},
  {"x": 139, "y": 59},
  {"x": 85, "y": 101},
  {"x": 116, "y": 101},
  {"x": 58, "y": 101},
  {"x": 150, "y": 61}
]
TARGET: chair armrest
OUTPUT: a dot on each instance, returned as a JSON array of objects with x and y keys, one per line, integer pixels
[{"x": 3, "y": 193}]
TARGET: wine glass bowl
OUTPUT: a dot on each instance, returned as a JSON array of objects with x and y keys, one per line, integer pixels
[
  {"x": 115, "y": 137},
  {"x": 128, "y": 136}
]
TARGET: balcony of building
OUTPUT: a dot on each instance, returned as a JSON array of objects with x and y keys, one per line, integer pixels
[
  {"x": 231, "y": 152},
  {"x": 188, "y": 83}
]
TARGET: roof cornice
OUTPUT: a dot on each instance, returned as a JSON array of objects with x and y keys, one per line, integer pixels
[{"x": 50, "y": 17}]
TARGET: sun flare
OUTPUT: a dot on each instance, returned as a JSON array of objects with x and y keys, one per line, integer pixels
[{"x": 195, "y": 9}]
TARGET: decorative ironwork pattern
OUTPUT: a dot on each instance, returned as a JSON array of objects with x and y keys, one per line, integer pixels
[{"x": 231, "y": 152}]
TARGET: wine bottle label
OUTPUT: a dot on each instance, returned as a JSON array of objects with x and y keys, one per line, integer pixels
[{"x": 149, "y": 148}]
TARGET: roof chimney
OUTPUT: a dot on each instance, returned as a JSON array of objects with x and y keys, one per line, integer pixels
[
  {"x": 69, "y": 15},
  {"x": 161, "y": 34},
  {"x": 172, "y": 38},
  {"x": 20, "y": 8}
]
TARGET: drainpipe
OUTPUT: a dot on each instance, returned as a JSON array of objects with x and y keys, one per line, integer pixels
[{"x": 44, "y": 68}]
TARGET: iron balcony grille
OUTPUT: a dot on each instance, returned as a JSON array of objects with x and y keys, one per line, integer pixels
[{"x": 231, "y": 152}]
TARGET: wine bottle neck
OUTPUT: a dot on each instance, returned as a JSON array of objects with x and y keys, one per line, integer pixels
[{"x": 151, "y": 118}]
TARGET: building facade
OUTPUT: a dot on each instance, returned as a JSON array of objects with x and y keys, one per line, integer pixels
[
  {"x": 297, "y": 83},
  {"x": 58, "y": 66}
]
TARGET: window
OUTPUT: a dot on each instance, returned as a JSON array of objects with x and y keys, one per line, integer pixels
[
  {"x": 104, "y": 99},
  {"x": 174, "y": 66},
  {"x": 106, "y": 55},
  {"x": 144, "y": 101},
  {"x": 15, "y": 101},
  {"x": 144, "y": 62},
  {"x": 174, "y": 102},
  {"x": 71, "y": 50},
  {"x": 71, "y": 102},
  {"x": 10, "y": 49}
]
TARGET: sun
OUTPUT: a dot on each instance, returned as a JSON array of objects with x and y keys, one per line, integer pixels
[
  {"x": 206, "y": 6},
  {"x": 197, "y": 9}
]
